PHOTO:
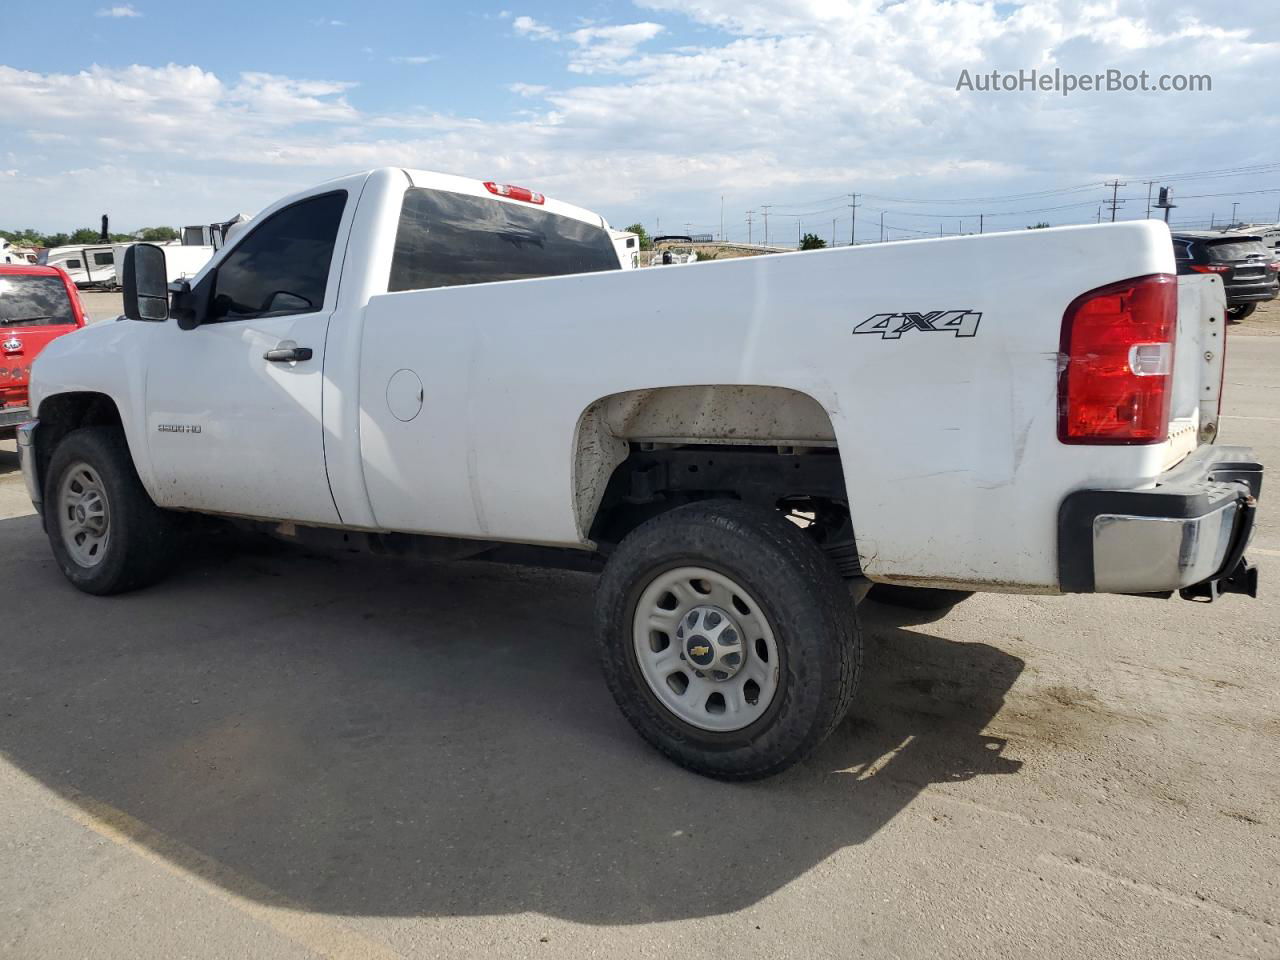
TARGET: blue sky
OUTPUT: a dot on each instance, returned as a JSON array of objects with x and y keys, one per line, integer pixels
[
  {"x": 474, "y": 55},
  {"x": 163, "y": 112}
]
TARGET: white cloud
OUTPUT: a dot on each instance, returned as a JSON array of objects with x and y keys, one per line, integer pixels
[
  {"x": 325, "y": 22},
  {"x": 594, "y": 49},
  {"x": 416, "y": 60},
  {"x": 529, "y": 27},
  {"x": 775, "y": 101},
  {"x": 124, "y": 10},
  {"x": 601, "y": 49}
]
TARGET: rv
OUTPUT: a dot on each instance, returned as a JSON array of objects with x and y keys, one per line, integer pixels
[
  {"x": 92, "y": 265},
  {"x": 628, "y": 246}
]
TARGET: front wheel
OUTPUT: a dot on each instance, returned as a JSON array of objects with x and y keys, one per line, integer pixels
[
  {"x": 727, "y": 638},
  {"x": 106, "y": 533},
  {"x": 1239, "y": 311}
]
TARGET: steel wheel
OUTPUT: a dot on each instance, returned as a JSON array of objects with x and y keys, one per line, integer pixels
[
  {"x": 705, "y": 649},
  {"x": 84, "y": 515}
]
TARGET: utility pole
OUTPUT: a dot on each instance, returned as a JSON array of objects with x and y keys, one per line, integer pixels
[
  {"x": 1233, "y": 212},
  {"x": 1149, "y": 184},
  {"x": 853, "y": 219},
  {"x": 750, "y": 214},
  {"x": 1115, "y": 186},
  {"x": 833, "y": 231},
  {"x": 1212, "y": 217},
  {"x": 722, "y": 218},
  {"x": 799, "y": 241},
  {"x": 981, "y": 222},
  {"x": 765, "y": 207},
  {"x": 882, "y": 226},
  {"x": 1099, "y": 213}
]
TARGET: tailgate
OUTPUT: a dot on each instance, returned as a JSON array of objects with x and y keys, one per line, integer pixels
[{"x": 1199, "y": 362}]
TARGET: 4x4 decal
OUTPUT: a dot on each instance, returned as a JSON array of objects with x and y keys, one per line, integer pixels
[{"x": 891, "y": 326}]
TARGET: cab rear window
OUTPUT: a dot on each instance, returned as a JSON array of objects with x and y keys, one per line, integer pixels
[
  {"x": 28, "y": 301},
  {"x": 451, "y": 239}
]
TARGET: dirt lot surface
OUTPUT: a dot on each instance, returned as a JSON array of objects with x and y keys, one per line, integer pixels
[
  {"x": 101, "y": 306},
  {"x": 299, "y": 755},
  {"x": 1265, "y": 321}
]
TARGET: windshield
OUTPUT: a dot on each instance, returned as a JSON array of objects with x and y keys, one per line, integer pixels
[{"x": 29, "y": 301}]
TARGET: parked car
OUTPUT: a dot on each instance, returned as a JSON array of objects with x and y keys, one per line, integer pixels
[
  {"x": 37, "y": 304},
  {"x": 432, "y": 366},
  {"x": 1250, "y": 271}
]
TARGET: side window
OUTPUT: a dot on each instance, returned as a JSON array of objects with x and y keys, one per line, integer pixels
[
  {"x": 73, "y": 265},
  {"x": 103, "y": 259},
  {"x": 282, "y": 266}
]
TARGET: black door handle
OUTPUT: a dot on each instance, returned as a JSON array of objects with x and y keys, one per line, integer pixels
[{"x": 287, "y": 354}]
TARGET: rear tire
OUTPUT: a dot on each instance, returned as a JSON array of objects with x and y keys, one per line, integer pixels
[
  {"x": 917, "y": 598},
  {"x": 1239, "y": 311},
  {"x": 106, "y": 534},
  {"x": 752, "y": 600}
]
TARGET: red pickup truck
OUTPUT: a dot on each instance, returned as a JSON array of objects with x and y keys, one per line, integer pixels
[{"x": 37, "y": 304}]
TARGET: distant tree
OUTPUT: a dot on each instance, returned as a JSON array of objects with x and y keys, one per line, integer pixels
[
  {"x": 86, "y": 235},
  {"x": 157, "y": 234},
  {"x": 27, "y": 237},
  {"x": 1038, "y": 226},
  {"x": 812, "y": 241},
  {"x": 56, "y": 240},
  {"x": 638, "y": 229}
]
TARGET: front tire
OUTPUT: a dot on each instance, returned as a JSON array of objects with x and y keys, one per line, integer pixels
[
  {"x": 728, "y": 639},
  {"x": 106, "y": 534},
  {"x": 1239, "y": 311}
]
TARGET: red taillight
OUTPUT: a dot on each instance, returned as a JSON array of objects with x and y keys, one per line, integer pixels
[
  {"x": 514, "y": 193},
  {"x": 1210, "y": 267},
  {"x": 1117, "y": 362}
]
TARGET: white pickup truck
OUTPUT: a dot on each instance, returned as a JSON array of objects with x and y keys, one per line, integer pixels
[{"x": 429, "y": 365}]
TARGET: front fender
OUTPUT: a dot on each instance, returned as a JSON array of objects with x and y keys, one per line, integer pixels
[{"x": 103, "y": 360}]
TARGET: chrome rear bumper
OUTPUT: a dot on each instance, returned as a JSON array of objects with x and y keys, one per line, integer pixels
[
  {"x": 1187, "y": 533},
  {"x": 27, "y": 458}
]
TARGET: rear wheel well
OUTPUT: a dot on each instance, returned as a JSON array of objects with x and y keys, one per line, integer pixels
[{"x": 805, "y": 483}]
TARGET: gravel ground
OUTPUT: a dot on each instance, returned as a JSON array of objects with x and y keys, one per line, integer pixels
[
  {"x": 1265, "y": 321},
  {"x": 298, "y": 755}
]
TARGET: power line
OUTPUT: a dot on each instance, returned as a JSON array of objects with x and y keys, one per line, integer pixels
[
  {"x": 1008, "y": 198},
  {"x": 1115, "y": 204}
]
